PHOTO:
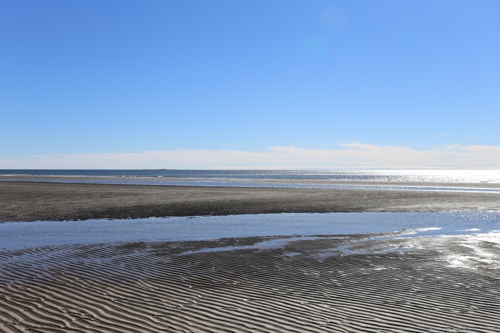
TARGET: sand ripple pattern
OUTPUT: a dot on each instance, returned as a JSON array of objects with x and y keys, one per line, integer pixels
[{"x": 175, "y": 287}]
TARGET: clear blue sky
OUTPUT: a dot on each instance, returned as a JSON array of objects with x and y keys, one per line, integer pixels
[{"x": 119, "y": 76}]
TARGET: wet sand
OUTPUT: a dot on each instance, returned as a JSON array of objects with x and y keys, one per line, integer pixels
[
  {"x": 301, "y": 286},
  {"x": 31, "y": 201},
  {"x": 184, "y": 287}
]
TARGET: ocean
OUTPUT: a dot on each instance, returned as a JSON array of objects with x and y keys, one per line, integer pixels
[
  {"x": 418, "y": 176},
  {"x": 410, "y": 180}
]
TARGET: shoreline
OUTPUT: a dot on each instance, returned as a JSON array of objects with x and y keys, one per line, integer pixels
[{"x": 114, "y": 180}]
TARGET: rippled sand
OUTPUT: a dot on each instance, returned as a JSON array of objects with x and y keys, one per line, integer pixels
[{"x": 305, "y": 285}]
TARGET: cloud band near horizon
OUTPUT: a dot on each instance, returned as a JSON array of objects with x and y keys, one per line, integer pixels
[{"x": 352, "y": 155}]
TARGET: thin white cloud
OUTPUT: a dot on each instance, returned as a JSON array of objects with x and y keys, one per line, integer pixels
[{"x": 351, "y": 155}]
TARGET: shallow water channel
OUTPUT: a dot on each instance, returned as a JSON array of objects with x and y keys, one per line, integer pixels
[{"x": 22, "y": 235}]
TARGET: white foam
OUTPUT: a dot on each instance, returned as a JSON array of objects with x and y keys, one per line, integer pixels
[
  {"x": 475, "y": 250},
  {"x": 419, "y": 230}
]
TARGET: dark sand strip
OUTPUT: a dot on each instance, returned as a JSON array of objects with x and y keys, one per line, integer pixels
[
  {"x": 24, "y": 201},
  {"x": 139, "y": 287}
]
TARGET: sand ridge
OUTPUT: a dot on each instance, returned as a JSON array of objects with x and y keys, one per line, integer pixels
[{"x": 25, "y": 201}]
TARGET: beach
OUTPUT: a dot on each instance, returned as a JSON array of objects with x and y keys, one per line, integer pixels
[{"x": 354, "y": 282}]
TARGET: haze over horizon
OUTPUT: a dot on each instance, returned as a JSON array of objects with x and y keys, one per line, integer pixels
[{"x": 250, "y": 84}]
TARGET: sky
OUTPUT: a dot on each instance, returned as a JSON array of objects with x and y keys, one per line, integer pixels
[{"x": 195, "y": 84}]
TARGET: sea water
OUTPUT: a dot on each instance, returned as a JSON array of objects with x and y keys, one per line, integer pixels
[
  {"x": 19, "y": 235},
  {"x": 458, "y": 176},
  {"x": 415, "y": 179}
]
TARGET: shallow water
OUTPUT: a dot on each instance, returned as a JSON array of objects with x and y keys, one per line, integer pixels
[
  {"x": 254, "y": 184},
  {"x": 19, "y": 235}
]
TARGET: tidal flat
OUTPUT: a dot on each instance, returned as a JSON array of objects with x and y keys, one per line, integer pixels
[{"x": 94, "y": 258}]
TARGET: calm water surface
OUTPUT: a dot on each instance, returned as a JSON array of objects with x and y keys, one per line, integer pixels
[
  {"x": 18, "y": 235},
  {"x": 262, "y": 178},
  {"x": 459, "y": 176}
]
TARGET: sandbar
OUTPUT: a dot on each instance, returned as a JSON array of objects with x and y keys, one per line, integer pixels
[{"x": 32, "y": 201}]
